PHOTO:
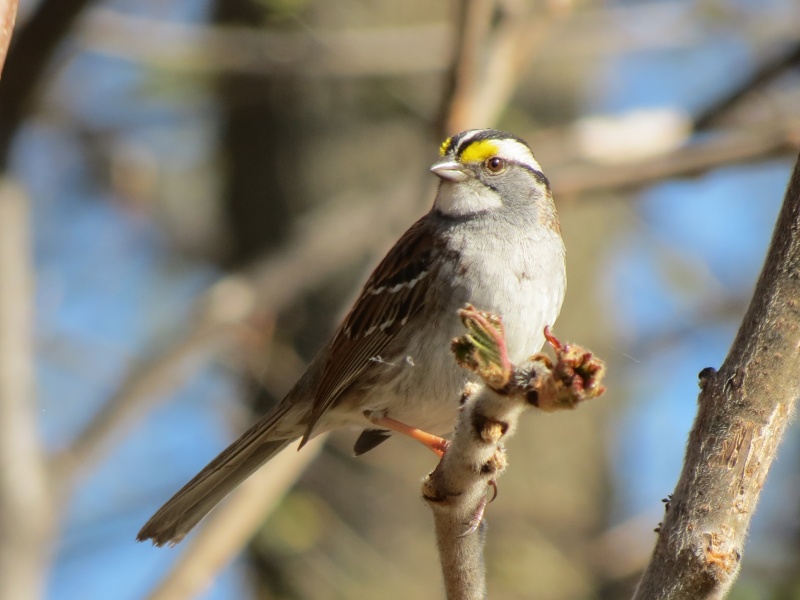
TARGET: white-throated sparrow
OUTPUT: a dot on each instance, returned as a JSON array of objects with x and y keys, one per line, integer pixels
[{"x": 491, "y": 239}]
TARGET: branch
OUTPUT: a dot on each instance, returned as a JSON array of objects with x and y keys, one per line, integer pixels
[
  {"x": 28, "y": 58},
  {"x": 768, "y": 72},
  {"x": 592, "y": 32},
  {"x": 25, "y": 509},
  {"x": 743, "y": 412},
  {"x": 144, "y": 385},
  {"x": 26, "y": 514},
  {"x": 731, "y": 147},
  {"x": 491, "y": 57},
  {"x": 472, "y": 27},
  {"x": 456, "y": 489},
  {"x": 8, "y": 16}
]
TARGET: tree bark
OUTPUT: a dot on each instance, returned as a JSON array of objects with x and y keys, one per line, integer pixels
[{"x": 743, "y": 412}]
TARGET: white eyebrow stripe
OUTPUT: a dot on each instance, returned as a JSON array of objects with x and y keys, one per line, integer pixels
[
  {"x": 466, "y": 138},
  {"x": 517, "y": 152}
]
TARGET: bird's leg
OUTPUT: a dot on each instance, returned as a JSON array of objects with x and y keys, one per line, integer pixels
[{"x": 432, "y": 442}]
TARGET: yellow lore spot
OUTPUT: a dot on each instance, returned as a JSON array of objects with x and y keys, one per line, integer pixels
[
  {"x": 444, "y": 146},
  {"x": 479, "y": 151}
]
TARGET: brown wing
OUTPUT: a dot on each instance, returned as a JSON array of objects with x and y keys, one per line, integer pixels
[{"x": 393, "y": 294}]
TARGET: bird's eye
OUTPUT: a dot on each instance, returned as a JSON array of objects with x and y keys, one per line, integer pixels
[{"x": 495, "y": 164}]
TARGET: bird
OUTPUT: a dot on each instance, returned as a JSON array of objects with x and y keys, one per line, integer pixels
[{"x": 492, "y": 238}]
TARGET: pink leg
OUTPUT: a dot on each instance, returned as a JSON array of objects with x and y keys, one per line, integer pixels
[{"x": 434, "y": 443}]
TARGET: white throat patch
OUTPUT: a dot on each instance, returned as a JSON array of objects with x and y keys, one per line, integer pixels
[{"x": 463, "y": 199}]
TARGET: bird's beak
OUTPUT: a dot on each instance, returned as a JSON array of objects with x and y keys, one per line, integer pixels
[{"x": 450, "y": 170}]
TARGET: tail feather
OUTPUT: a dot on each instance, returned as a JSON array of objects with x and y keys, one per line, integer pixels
[{"x": 197, "y": 498}]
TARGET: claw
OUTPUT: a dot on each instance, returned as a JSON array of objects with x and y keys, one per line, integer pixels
[
  {"x": 476, "y": 519},
  {"x": 552, "y": 340},
  {"x": 493, "y": 483}
]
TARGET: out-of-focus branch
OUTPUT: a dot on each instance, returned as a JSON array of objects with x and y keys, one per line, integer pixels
[
  {"x": 142, "y": 387},
  {"x": 28, "y": 58},
  {"x": 495, "y": 42},
  {"x": 232, "y": 524},
  {"x": 743, "y": 412},
  {"x": 473, "y": 26},
  {"x": 8, "y": 16},
  {"x": 592, "y": 32},
  {"x": 201, "y": 48},
  {"x": 725, "y": 148},
  {"x": 26, "y": 513},
  {"x": 25, "y": 508},
  {"x": 456, "y": 489},
  {"x": 759, "y": 79}
]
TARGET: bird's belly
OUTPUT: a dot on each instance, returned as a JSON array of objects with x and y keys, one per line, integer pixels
[
  {"x": 422, "y": 386},
  {"x": 526, "y": 309}
]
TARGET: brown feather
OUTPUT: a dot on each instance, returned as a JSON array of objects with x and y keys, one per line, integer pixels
[{"x": 393, "y": 294}]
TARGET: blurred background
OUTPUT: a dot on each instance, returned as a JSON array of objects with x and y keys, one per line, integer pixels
[{"x": 207, "y": 183}]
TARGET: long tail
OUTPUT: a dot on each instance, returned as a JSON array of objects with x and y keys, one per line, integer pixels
[{"x": 217, "y": 479}]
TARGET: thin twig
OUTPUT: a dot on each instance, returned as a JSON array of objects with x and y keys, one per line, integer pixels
[
  {"x": 25, "y": 504},
  {"x": 456, "y": 489},
  {"x": 743, "y": 412},
  {"x": 26, "y": 513}
]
